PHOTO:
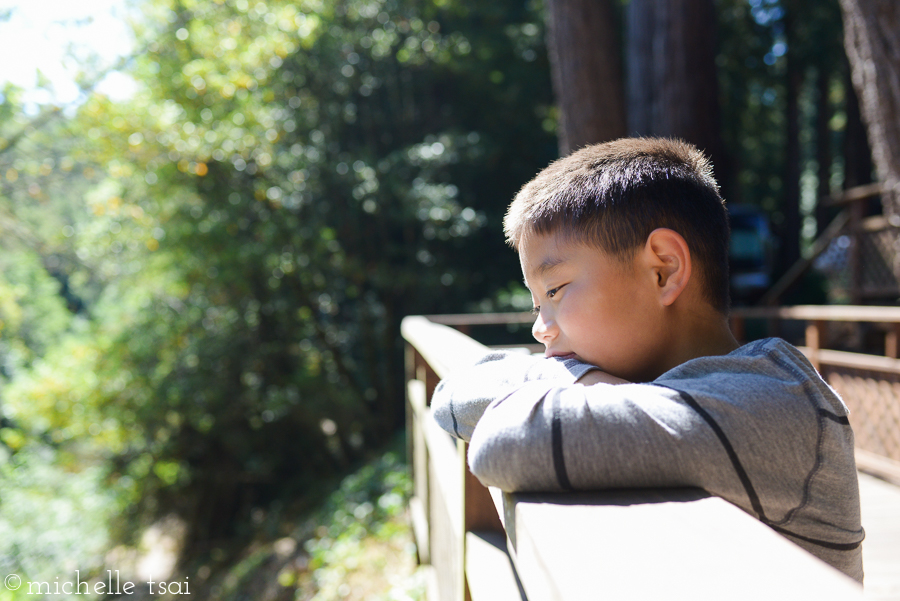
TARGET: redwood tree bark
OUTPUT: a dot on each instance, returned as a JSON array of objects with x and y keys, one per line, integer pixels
[
  {"x": 823, "y": 148},
  {"x": 872, "y": 42},
  {"x": 857, "y": 150},
  {"x": 585, "y": 60},
  {"x": 672, "y": 83},
  {"x": 791, "y": 227}
]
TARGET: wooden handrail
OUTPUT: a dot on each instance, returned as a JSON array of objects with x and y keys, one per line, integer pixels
[
  {"x": 849, "y": 217},
  {"x": 796, "y": 270},
  {"x": 657, "y": 544},
  {"x": 445, "y": 349},
  {"x": 860, "y": 313},
  {"x": 867, "y": 313},
  {"x": 478, "y": 319},
  {"x": 643, "y": 544},
  {"x": 854, "y": 194}
]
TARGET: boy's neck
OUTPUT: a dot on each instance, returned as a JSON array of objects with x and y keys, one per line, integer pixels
[{"x": 698, "y": 331}]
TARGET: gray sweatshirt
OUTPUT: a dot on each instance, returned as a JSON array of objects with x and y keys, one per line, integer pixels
[{"x": 757, "y": 427}]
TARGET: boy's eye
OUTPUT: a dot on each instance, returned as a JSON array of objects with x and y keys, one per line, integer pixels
[
  {"x": 536, "y": 311},
  {"x": 552, "y": 293}
]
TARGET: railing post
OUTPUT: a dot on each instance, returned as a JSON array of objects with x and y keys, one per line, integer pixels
[
  {"x": 773, "y": 327},
  {"x": 480, "y": 513},
  {"x": 856, "y": 233},
  {"x": 892, "y": 341},
  {"x": 815, "y": 340},
  {"x": 425, "y": 373},
  {"x": 417, "y": 453},
  {"x": 738, "y": 328},
  {"x": 409, "y": 367}
]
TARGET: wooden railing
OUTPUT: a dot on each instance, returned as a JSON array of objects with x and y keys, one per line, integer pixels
[
  {"x": 630, "y": 544},
  {"x": 871, "y": 272}
]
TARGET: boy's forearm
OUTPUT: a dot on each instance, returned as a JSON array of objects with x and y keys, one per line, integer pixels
[
  {"x": 546, "y": 437},
  {"x": 461, "y": 399}
]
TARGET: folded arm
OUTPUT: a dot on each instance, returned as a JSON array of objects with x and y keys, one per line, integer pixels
[
  {"x": 460, "y": 400},
  {"x": 552, "y": 424},
  {"x": 550, "y": 437}
]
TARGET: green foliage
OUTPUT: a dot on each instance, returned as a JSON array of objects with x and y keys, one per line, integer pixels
[
  {"x": 367, "y": 513},
  {"x": 236, "y": 245},
  {"x": 752, "y": 92},
  {"x": 53, "y": 521},
  {"x": 755, "y": 42},
  {"x": 364, "y": 504},
  {"x": 291, "y": 181},
  {"x": 354, "y": 543},
  {"x": 32, "y": 312}
]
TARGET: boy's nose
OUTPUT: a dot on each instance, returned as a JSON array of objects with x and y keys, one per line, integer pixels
[{"x": 543, "y": 329}]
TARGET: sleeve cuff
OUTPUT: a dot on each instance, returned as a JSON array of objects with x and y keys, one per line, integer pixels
[{"x": 577, "y": 368}]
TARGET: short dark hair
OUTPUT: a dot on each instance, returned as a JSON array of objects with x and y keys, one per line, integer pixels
[{"x": 612, "y": 195}]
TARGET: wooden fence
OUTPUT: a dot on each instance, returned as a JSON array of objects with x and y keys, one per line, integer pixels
[
  {"x": 640, "y": 544},
  {"x": 871, "y": 270}
]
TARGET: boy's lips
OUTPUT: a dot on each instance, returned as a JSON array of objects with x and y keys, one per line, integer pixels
[{"x": 557, "y": 355}]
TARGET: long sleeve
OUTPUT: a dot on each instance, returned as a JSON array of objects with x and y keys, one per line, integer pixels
[
  {"x": 461, "y": 399},
  {"x": 547, "y": 436}
]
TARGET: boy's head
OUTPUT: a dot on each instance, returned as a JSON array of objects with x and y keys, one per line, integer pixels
[
  {"x": 613, "y": 195},
  {"x": 624, "y": 246}
]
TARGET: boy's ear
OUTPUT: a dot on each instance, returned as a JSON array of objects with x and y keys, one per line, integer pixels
[{"x": 670, "y": 261}]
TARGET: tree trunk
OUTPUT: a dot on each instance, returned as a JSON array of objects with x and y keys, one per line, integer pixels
[
  {"x": 872, "y": 42},
  {"x": 790, "y": 237},
  {"x": 823, "y": 148},
  {"x": 672, "y": 84},
  {"x": 640, "y": 55},
  {"x": 587, "y": 75},
  {"x": 857, "y": 153}
]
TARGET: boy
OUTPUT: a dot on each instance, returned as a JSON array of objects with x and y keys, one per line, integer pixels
[{"x": 624, "y": 246}]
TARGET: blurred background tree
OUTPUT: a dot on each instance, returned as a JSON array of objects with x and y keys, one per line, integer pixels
[
  {"x": 243, "y": 236},
  {"x": 873, "y": 46},
  {"x": 586, "y": 59}
]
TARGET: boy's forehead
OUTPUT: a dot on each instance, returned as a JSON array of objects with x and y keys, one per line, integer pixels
[
  {"x": 539, "y": 253},
  {"x": 542, "y": 254}
]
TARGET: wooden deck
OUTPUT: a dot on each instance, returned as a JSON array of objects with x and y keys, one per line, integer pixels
[{"x": 881, "y": 549}]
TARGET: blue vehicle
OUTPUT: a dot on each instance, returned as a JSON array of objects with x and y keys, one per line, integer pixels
[{"x": 750, "y": 254}]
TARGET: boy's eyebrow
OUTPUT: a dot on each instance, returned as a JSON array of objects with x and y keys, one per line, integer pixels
[{"x": 548, "y": 264}]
